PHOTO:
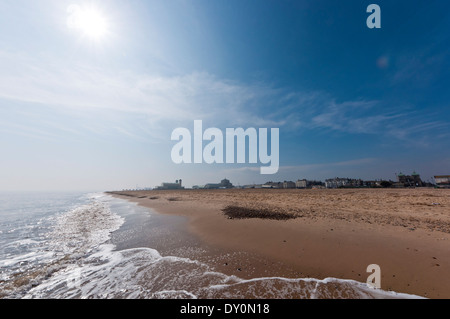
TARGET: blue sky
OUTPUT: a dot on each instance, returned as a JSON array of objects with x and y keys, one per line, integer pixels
[{"x": 85, "y": 113}]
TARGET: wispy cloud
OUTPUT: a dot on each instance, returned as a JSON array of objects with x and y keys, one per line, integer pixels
[
  {"x": 309, "y": 167},
  {"x": 158, "y": 98},
  {"x": 419, "y": 69},
  {"x": 101, "y": 98}
]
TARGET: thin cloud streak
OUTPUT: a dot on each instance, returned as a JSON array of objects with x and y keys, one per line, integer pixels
[
  {"x": 166, "y": 102},
  {"x": 308, "y": 167}
]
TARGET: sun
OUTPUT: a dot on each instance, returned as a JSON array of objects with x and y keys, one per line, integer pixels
[{"x": 89, "y": 20}]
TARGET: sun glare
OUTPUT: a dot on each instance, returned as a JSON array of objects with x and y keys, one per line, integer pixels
[{"x": 90, "y": 21}]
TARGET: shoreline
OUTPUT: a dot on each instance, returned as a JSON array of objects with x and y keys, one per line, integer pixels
[{"x": 338, "y": 233}]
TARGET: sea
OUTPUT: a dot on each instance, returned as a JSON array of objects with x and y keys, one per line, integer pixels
[{"x": 95, "y": 246}]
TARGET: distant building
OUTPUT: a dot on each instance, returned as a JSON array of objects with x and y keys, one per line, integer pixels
[
  {"x": 301, "y": 183},
  {"x": 166, "y": 186},
  {"x": 336, "y": 182},
  {"x": 343, "y": 183},
  {"x": 225, "y": 183},
  {"x": 288, "y": 184},
  {"x": 412, "y": 180},
  {"x": 252, "y": 186},
  {"x": 372, "y": 184},
  {"x": 442, "y": 181},
  {"x": 315, "y": 183},
  {"x": 272, "y": 185}
]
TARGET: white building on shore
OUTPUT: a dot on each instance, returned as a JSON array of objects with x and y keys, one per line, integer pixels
[
  {"x": 442, "y": 181},
  {"x": 166, "y": 186},
  {"x": 301, "y": 183}
]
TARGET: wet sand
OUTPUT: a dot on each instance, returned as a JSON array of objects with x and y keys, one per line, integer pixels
[{"x": 336, "y": 233}]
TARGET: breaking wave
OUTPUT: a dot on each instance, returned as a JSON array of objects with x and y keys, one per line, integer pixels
[{"x": 144, "y": 273}]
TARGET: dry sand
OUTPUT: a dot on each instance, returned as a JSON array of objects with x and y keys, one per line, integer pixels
[{"x": 336, "y": 233}]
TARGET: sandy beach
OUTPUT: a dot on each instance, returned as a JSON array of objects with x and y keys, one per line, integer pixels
[{"x": 330, "y": 233}]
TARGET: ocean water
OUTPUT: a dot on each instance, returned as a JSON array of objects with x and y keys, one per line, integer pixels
[{"x": 73, "y": 245}]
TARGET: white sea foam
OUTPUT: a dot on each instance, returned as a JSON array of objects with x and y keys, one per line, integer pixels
[
  {"x": 144, "y": 273},
  {"x": 34, "y": 263},
  {"x": 84, "y": 227}
]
